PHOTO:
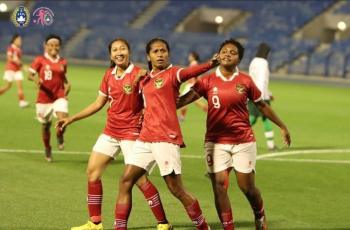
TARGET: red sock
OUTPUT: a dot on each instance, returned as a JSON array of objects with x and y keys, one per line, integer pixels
[
  {"x": 195, "y": 213},
  {"x": 95, "y": 193},
  {"x": 46, "y": 138},
  {"x": 152, "y": 196},
  {"x": 227, "y": 220},
  {"x": 59, "y": 134},
  {"x": 122, "y": 212},
  {"x": 20, "y": 96},
  {"x": 259, "y": 211}
]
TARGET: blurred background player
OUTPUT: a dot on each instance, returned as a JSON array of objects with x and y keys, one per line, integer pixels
[
  {"x": 13, "y": 68},
  {"x": 160, "y": 138},
  {"x": 229, "y": 139},
  {"x": 193, "y": 59},
  {"x": 120, "y": 89},
  {"x": 259, "y": 71},
  {"x": 53, "y": 90}
]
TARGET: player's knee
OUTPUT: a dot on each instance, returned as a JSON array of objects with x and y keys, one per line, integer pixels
[
  {"x": 126, "y": 183},
  {"x": 93, "y": 175},
  {"x": 176, "y": 189},
  {"x": 220, "y": 186},
  {"x": 248, "y": 190}
]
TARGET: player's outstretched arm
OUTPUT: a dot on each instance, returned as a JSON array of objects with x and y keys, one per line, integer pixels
[
  {"x": 270, "y": 114},
  {"x": 196, "y": 70},
  {"x": 88, "y": 111},
  {"x": 186, "y": 99}
]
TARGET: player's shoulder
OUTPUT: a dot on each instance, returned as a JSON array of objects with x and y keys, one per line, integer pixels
[
  {"x": 39, "y": 58},
  {"x": 244, "y": 75}
]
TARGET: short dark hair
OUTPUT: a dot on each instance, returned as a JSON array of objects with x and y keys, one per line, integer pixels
[
  {"x": 235, "y": 43},
  {"x": 112, "y": 64},
  {"x": 263, "y": 50},
  {"x": 14, "y": 37},
  {"x": 149, "y": 44},
  {"x": 50, "y": 36},
  {"x": 195, "y": 55}
]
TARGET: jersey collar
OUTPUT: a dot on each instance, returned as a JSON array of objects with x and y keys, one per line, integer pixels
[
  {"x": 50, "y": 58},
  {"x": 128, "y": 70},
  {"x": 220, "y": 75},
  {"x": 154, "y": 75}
]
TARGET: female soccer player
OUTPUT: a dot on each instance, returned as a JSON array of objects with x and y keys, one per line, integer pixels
[
  {"x": 13, "y": 69},
  {"x": 119, "y": 88},
  {"x": 229, "y": 140},
  {"x": 160, "y": 138},
  {"x": 193, "y": 59},
  {"x": 53, "y": 89}
]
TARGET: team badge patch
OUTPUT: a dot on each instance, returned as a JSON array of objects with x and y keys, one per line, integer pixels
[
  {"x": 20, "y": 17},
  {"x": 158, "y": 83},
  {"x": 240, "y": 88},
  {"x": 127, "y": 88}
]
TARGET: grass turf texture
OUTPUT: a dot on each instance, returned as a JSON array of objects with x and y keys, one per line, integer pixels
[{"x": 297, "y": 195}]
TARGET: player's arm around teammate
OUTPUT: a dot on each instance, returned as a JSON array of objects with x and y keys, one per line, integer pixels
[
  {"x": 229, "y": 140},
  {"x": 119, "y": 88}
]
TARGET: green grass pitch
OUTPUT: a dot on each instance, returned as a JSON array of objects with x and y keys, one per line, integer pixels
[{"x": 306, "y": 190}]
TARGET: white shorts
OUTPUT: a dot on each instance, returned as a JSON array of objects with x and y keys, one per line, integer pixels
[
  {"x": 110, "y": 146},
  {"x": 241, "y": 157},
  {"x": 44, "y": 112},
  {"x": 166, "y": 155},
  {"x": 11, "y": 75}
]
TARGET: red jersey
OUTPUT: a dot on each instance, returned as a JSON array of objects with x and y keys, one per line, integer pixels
[
  {"x": 160, "y": 91},
  {"x": 125, "y": 103},
  {"x": 13, "y": 51},
  {"x": 228, "y": 117},
  {"x": 52, "y": 75}
]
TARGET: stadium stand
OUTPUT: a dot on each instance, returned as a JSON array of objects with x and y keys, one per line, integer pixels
[{"x": 109, "y": 19}]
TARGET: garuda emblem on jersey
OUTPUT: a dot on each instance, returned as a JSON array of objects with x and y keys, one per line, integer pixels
[
  {"x": 240, "y": 88},
  {"x": 158, "y": 83},
  {"x": 127, "y": 88}
]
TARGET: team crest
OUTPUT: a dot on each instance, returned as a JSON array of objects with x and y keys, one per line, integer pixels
[
  {"x": 158, "y": 83},
  {"x": 240, "y": 88},
  {"x": 127, "y": 88},
  {"x": 20, "y": 17}
]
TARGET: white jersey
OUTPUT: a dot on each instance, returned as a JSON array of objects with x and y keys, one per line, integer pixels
[{"x": 259, "y": 71}]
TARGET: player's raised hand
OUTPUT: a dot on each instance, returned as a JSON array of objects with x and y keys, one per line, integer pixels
[
  {"x": 140, "y": 75},
  {"x": 286, "y": 136},
  {"x": 215, "y": 60},
  {"x": 62, "y": 123}
]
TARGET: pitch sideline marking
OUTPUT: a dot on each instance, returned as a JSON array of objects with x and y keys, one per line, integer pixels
[{"x": 267, "y": 157}]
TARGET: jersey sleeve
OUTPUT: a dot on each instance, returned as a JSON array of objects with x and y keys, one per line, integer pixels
[
  {"x": 192, "y": 71},
  {"x": 254, "y": 94},
  {"x": 36, "y": 65},
  {"x": 104, "y": 85},
  {"x": 201, "y": 86}
]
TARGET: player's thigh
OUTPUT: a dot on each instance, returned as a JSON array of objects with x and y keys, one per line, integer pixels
[
  {"x": 44, "y": 112},
  {"x": 98, "y": 163},
  {"x": 60, "y": 107},
  {"x": 9, "y": 75},
  {"x": 127, "y": 148},
  {"x": 18, "y": 76},
  {"x": 167, "y": 156},
  {"x": 218, "y": 157},
  {"x": 107, "y": 145},
  {"x": 244, "y": 157},
  {"x": 141, "y": 156}
]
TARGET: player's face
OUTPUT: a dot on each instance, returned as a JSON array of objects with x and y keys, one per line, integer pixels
[
  {"x": 52, "y": 47},
  {"x": 119, "y": 54},
  {"x": 158, "y": 56},
  {"x": 18, "y": 42},
  {"x": 229, "y": 56}
]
